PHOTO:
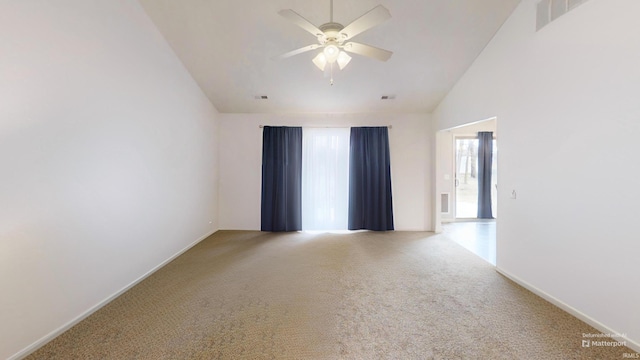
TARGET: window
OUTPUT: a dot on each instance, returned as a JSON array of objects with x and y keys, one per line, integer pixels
[{"x": 325, "y": 178}]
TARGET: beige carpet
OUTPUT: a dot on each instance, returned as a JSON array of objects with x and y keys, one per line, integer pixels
[{"x": 399, "y": 295}]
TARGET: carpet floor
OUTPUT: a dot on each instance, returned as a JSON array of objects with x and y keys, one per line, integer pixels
[{"x": 363, "y": 295}]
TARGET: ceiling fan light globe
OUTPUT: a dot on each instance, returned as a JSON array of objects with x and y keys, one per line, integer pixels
[
  {"x": 320, "y": 61},
  {"x": 343, "y": 59},
  {"x": 331, "y": 53}
]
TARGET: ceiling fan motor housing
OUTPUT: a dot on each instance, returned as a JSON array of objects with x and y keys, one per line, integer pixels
[{"x": 330, "y": 32}]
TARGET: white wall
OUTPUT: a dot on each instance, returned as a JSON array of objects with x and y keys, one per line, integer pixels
[
  {"x": 568, "y": 115},
  {"x": 107, "y": 160},
  {"x": 241, "y": 159}
]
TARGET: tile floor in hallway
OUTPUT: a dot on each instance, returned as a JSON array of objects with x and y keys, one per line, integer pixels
[{"x": 478, "y": 237}]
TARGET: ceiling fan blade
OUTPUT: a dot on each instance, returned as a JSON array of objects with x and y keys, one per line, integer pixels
[
  {"x": 368, "y": 50},
  {"x": 375, "y": 16},
  {"x": 297, "y": 19},
  {"x": 297, "y": 51}
]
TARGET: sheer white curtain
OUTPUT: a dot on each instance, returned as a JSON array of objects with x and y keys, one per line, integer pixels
[{"x": 325, "y": 178}]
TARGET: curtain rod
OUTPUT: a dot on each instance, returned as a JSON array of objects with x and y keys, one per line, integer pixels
[{"x": 326, "y": 126}]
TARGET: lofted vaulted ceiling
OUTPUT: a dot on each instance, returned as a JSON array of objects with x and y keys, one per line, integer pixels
[{"x": 228, "y": 47}]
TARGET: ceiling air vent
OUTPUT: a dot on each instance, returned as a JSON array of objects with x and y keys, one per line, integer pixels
[
  {"x": 387, "y": 97},
  {"x": 261, "y": 97}
]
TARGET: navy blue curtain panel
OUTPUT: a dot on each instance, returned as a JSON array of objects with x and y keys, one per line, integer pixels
[
  {"x": 485, "y": 156},
  {"x": 370, "y": 205},
  {"x": 281, "y": 179}
]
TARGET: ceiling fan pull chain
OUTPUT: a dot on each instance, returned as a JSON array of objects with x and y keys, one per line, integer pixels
[
  {"x": 331, "y": 74},
  {"x": 331, "y": 69}
]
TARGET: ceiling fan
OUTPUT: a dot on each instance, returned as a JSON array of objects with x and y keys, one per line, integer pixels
[{"x": 333, "y": 38}]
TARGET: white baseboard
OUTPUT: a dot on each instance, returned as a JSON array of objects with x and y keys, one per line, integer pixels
[
  {"x": 571, "y": 310},
  {"x": 44, "y": 340}
]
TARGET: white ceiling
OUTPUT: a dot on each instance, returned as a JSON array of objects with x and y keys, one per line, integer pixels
[{"x": 228, "y": 46}]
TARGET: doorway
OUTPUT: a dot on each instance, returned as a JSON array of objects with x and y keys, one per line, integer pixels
[{"x": 466, "y": 177}]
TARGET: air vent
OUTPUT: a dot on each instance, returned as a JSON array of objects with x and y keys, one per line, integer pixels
[
  {"x": 549, "y": 10},
  {"x": 387, "y": 97},
  {"x": 444, "y": 203},
  {"x": 573, "y": 3},
  {"x": 543, "y": 14},
  {"x": 261, "y": 97}
]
